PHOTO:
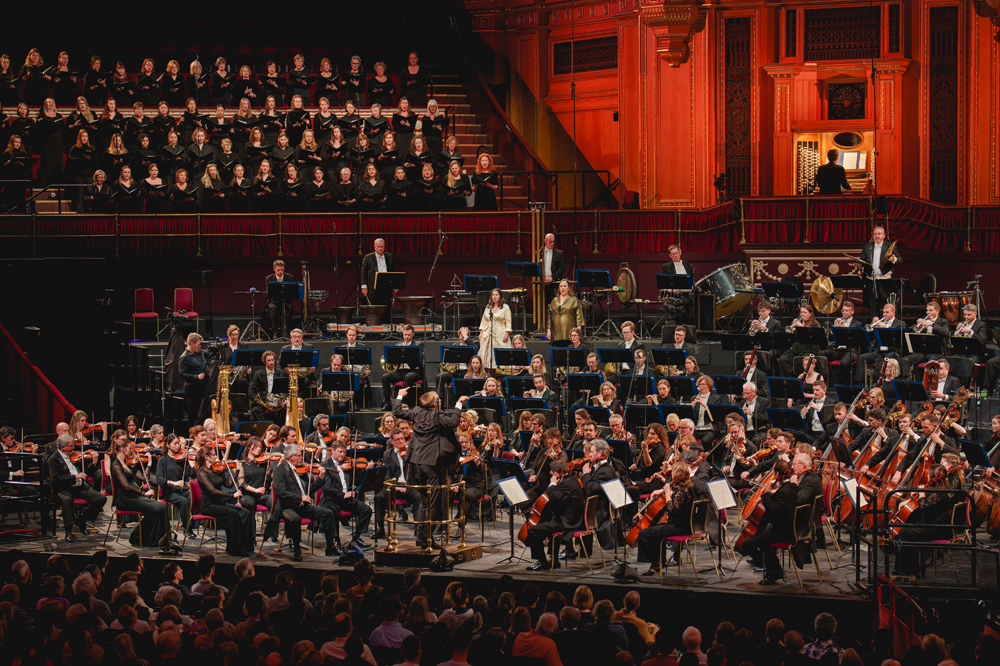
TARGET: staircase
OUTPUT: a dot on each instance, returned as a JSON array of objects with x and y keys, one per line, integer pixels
[{"x": 448, "y": 91}]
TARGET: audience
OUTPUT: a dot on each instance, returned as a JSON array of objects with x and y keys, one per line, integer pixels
[{"x": 388, "y": 621}]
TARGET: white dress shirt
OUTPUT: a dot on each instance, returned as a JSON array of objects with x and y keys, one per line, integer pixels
[
  {"x": 547, "y": 263},
  {"x": 679, "y": 268},
  {"x": 72, "y": 468}
]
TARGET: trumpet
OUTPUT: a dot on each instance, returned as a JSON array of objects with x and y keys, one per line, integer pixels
[
  {"x": 838, "y": 322},
  {"x": 963, "y": 330},
  {"x": 869, "y": 327},
  {"x": 756, "y": 326},
  {"x": 924, "y": 324},
  {"x": 795, "y": 323}
]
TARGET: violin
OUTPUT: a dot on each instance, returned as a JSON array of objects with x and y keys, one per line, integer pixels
[
  {"x": 23, "y": 447},
  {"x": 267, "y": 457},
  {"x": 78, "y": 456},
  {"x": 763, "y": 453},
  {"x": 576, "y": 465},
  {"x": 739, "y": 446},
  {"x": 220, "y": 466},
  {"x": 179, "y": 456},
  {"x": 313, "y": 468},
  {"x": 97, "y": 427},
  {"x": 131, "y": 460},
  {"x": 354, "y": 463}
]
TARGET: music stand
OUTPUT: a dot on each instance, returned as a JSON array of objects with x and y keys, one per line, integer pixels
[
  {"x": 721, "y": 411},
  {"x": 461, "y": 386},
  {"x": 846, "y": 393},
  {"x": 477, "y": 283},
  {"x": 595, "y": 279},
  {"x": 782, "y": 388},
  {"x": 252, "y": 325},
  {"x": 668, "y": 356},
  {"x": 810, "y": 335},
  {"x": 280, "y": 292},
  {"x": 342, "y": 382},
  {"x": 910, "y": 392},
  {"x": 786, "y": 291},
  {"x": 728, "y": 385},
  {"x": 674, "y": 282},
  {"x": 848, "y": 283},
  {"x": 568, "y": 357},
  {"x": 975, "y": 453},
  {"x": 410, "y": 355},
  {"x": 524, "y": 270},
  {"x": 890, "y": 338},
  {"x": 641, "y": 416},
  {"x": 247, "y": 357},
  {"x": 254, "y": 428},
  {"x": 387, "y": 282},
  {"x": 304, "y": 358},
  {"x": 773, "y": 341},
  {"x": 682, "y": 411},
  {"x": 852, "y": 338},
  {"x": 599, "y": 415},
  {"x": 531, "y": 404},
  {"x": 738, "y": 342},
  {"x": 457, "y": 354},
  {"x": 636, "y": 386},
  {"x": 509, "y": 357},
  {"x": 681, "y": 387},
  {"x": 617, "y": 355},
  {"x": 584, "y": 381},
  {"x": 926, "y": 344},
  {"x": 962, "y": 346},
  {"x": 787, "y": 419},
  {"x": 518, "y": 386},
  {"x": 355, "y": 355},
  {"x": 511, "y": 483},
  {"x": 495, "y": 403},
  {"x": 620, "y": 450}
]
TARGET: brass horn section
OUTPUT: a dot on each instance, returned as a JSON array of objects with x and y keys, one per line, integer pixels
[{"x": 824, "y": 297}]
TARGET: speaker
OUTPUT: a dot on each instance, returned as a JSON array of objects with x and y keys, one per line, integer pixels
[
  {"x": 881, "y": 205},
  {"x": 203, "y": 279}
]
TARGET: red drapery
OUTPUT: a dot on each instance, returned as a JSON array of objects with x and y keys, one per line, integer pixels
[
  {"x": 709, "y": 230},
  {"x": 319, "y": 236},
  {"x": 774, "y": 220},
  {"x": 406, "y": 234},
  {"x": 985, "y": 233},
  {"x": 623, "y": 232},
  {"x": 78, "y": 235},
  {"x": 926, "y": 225},
  {"x": 152, "y": 236},
  {"x": 507, "y": 233},
  {"x": 237, "y": 236},
  {"x": 839, "y": 220}
]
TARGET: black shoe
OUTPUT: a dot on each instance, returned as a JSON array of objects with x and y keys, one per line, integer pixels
[
  {"x": 360, "y": 543},
  {"x": 774, "y": 578},
  {"x": 541, "y": 566},
  {"x": 569, "y": 555},
  {"x": 70, "y": 537},
  {"x": 653, "y": 571},
  {"x": 333, "y": 551},
  {"x": 192, "y": 535},
  {"x": 402, "y": 515},
  {"x": 297, "y": 555},
  {"x": 757, "y": 569},
  {"x": 380, "y": 534}
]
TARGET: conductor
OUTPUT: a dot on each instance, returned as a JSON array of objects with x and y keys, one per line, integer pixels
[
  {"x": 830, "y": 177},
  {"x": 378, "y": 261},
  {"x": 433, "y": 451}
]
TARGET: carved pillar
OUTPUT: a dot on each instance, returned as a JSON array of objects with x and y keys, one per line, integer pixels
[
  {"x": 889, "y": 130},
  {"x": 784, "y": 139},
  {"x": 673, "y": 23}
]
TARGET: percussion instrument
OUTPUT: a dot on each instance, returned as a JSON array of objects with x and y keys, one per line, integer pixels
[
  {"x": 951, "y": 303},
  {"x": 412, "y": 307},
  {"x": 373, "y": 314},
  {"x": 732, "y": 288},
  {"x": 625, "y": 280}
]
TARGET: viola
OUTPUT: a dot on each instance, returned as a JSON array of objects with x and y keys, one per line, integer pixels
[
  {"x": 78, "y": 456},
  {"x": 220, "y": 466},
  {"x": 354, "y": 463},
  {"x": 306, "y": 469}
]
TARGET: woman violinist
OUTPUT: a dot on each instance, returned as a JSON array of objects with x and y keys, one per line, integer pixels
[
  {"x": 213, "y": 477},
  {"x": 172, "y": 472},
  {"x": 540, "y": 473},
  {"x": 132, "y": 493},
  {"x": 253, "y": 476},
  {"x": 473, "y": 471},
  {"x": 673, "y": 518},
  {"x": 652, "y": 454}
]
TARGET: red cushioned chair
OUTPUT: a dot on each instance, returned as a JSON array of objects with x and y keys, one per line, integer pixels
[
  {"x": 804, "y": 526},
  {"x": 144, "y": 309},
  {"x": 119, "y": 514},
  {"x": 699, "y": 520},
  {"x": 589, "y": 529},
  {"x": 184, "y": 300},
  {"x": 196, "y": 515},
  {"x": 306, "y": 522}
]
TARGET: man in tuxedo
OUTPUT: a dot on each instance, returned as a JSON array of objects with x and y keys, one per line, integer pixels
[
  {"x": 553, "y": 266},
  {"x": 376, "y": 262},
  {"x": 936, "y": 444},
  {"x": 679, "y": 338},
  {"x": 339, "y": 494},
  {"x": 764, "y": 323},
  {"x": 262, "y": 384},
  {"x": 812, "y": 411},
  {"x": 565, "y": 514},
  {"x": 69, "y": 483},
  {"x": 843, "y": 354},
  {"x": 404, "y": 373},
  {"x": 931, "y": 324},
  {"x": 831, "y": 177},
  {"x": 866, "y": 360},
  {"x": 947, "y": 385},
  {"x": 542, "y": 392},
  {"x": 971, "y": 327},
  {"x": 810, "y": 486},
  {"x": 877, "y": 261},
  {"x": 756, "y": 375},
  {"x": 596, "y": 471},
  {"x": 296, "y": 336},
  {"x": 274, "y": 309},
  {"x": 779, "y": 510},
  {"x": 295, "y": 502},
  {"x": 398, "y": 471},
  {"x": 433, "y": 450},
  {"x": 754, "y": 407},
  {"x": 630, "y": 342},
  {"x": 875, "y": 427},
  {"x": 677, "y": 266}
]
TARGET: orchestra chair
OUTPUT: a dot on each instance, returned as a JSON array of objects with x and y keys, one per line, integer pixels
[
  {"x": 819, "y": 517},
  {"x": 341, "y": 514},
  {"x": 159, "y": 497},
  {"x": 196, "y": 515},
  {"x": 493, "y": 511},
  {"x": 144, "y": 312},
  {"x": 306, "y": 522},
  {"x": 699, "y": 531},
  {"x": 960, "y": 521},
  {"x": 803, "y": 527},
  {"x": 589, "y": 529},
  {"x": 184, "y": 300},
  {"x": 119, "y": 514}
]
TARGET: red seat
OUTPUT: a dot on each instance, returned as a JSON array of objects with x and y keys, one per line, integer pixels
[
  {"x": 184, "y": 300},
  {"x": 196, "y": 515},
  {"x": 144, "y": 309},
  {"x": 120, "y": 514}
]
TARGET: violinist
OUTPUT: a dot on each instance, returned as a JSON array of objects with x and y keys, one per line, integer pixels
[
  {"x": 252, "y": 476},
  {"x": 7, "y": 471},
  {"x": 212, "y": 437},
  {"x": 704, "y": 429},
  {"x": 340, "y": 494},
  {"x": 738, "y": 448},
  {"x": 754, "y": 408},
  {"x": 79, "y": 428},
  {"x": 321, "y": 434},
  {"x": 777, "y": 448},
  {"x": 69, "y": 483},
  {"x": 620, "y": 433},
  {"x": 652, "y": 452},
  {"x": 213, "y": 477},
  {"x": 588, "y": 437},
  {"x": 172, "y": 471},
  {"x": 395, "y": 458},
  {"x": 536, "y": 424},
  {"x": 132, "y": 493},
  {"x": 992, "y": 445},
  {"x": 598, "y": 470},
  {"x": 540, "y": 472},
  {"x": 779, "y": 498},
  {"x": 935, "y": 443},
  {"x": 563, "y": 513},
  {"x": 928, "y": 522},
  {"x": 471, "y": 469},
  {"x": 493, "y": 443},
  {"x": 674, "y": 518}
]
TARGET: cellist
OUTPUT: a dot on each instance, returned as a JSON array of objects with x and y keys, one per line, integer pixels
[
  {"x": 673, "y": 519},
  {"x": 902, "y": 442},
  {"x": 779, "y": 498},
  {"x": 934, "y": 442},
  {"x": 933, "y": 509},
  {"x": 563, "y": 513}
]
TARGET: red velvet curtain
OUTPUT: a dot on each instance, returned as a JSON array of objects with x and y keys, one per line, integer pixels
[
  {"x": 773, "y": 220},
  {"x": 319, "y": 236},
  {"x": 239, "y": 237},
  {"x": 406, "y": 234},
  {"x": 709, "y": 230},
  {"x": 76, "y": 235},
  {"x": 839, "y": 221},
  {"x": 158, "y": 236},
  {"x": 633, "y": 232},
  {"x": 921, "y": 224},
  {"x": 485, "y": 235},
  {"x": 985, "y": 234},
  {"x": 16, "y": 234}
]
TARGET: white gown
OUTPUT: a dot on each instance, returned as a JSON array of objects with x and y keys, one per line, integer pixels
[{"x": 493, "y": 337}]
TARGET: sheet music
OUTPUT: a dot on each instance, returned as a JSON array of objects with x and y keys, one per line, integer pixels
[
  {"x": 862, "y": 160},
  {"x": 721, "y": 494},
  {"x": 851, "y": 160},
  {"x": 615, "y": 491},
  {"x": 512, "y": 490},
  {"x": 850, "y": 487}
]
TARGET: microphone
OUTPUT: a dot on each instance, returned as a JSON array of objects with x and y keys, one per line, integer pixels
[{"x": 253, "y": 290}]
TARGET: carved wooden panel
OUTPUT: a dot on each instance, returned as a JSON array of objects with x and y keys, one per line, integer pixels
[
  {"x": 846, "y": 101},
  {"x": 585, "y": 55},
  {"x": 894, "y": 43},
  {"x": 842, "y": 33},
  {"x": 738, "y": 101},
  {"x": 943, "y": 104},
  {"x": 791, "y": 32}
]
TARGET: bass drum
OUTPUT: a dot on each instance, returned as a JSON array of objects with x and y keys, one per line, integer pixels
[
  {"x": 627, "y": 287},
  {"x": 731, "y": 286}
]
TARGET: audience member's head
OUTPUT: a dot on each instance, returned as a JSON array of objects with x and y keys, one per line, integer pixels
[
  {"x": 691, "y": 639},
  {"x": 547, "y": 624},
  {"x": 825, "y": 626}
]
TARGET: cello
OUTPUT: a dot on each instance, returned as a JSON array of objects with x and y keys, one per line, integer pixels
[{"x": 754, "y": 510}]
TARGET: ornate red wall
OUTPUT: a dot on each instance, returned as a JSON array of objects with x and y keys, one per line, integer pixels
[{"x": 701, "y": 87}]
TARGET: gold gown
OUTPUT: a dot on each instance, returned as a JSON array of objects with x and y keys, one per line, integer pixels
[{"x": 564, "y": 318}]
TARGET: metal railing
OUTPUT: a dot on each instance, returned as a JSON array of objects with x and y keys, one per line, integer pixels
[{"x": 41, "y": 401}]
